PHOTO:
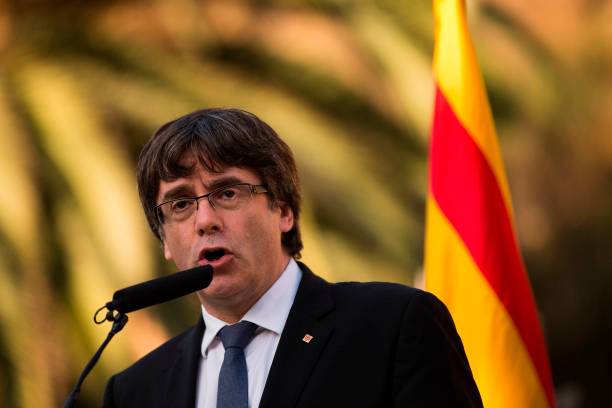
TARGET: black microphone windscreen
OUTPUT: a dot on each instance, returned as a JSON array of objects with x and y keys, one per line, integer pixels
[{"x": 161, "y": 290}]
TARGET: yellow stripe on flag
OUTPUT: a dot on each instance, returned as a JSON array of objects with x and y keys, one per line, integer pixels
[
  {"x": 472, "y": 259},
  {"x": 476, "y": 309},
  {"x": 458, "y": 76}
]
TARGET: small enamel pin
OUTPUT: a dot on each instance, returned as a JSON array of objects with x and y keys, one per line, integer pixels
[{"x": 307, "y": 338}]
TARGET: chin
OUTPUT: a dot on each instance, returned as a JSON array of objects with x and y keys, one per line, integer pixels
[{"x": 220, "y": 288}]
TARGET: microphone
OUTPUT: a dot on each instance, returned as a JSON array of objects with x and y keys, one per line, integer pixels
[
  {"x": 160, "y": 290},
  {"x": 138, "y": 297}
]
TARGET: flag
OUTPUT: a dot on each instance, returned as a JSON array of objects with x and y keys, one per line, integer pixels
[{"x": 472, "y": 260}]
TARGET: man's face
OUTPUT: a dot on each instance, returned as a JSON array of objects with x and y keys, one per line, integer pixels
[{"x": 248, "y": 239}]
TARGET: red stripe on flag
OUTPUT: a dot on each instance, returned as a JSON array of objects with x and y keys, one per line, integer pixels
[{"x": 467, "y": 192}]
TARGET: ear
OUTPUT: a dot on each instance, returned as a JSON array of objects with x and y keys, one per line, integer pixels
[
  {"x": 286, "y": 218},
  {"x": 167, "y": 253}
]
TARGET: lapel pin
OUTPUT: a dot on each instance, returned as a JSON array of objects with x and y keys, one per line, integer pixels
[{"x": 307, "y": 338}]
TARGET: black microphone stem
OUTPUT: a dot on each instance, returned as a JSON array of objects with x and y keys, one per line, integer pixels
[
  {"x": 137, "y": 297},
  {"x": 119, "y": 322}
]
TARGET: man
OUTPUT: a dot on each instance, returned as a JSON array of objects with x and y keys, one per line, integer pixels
[{"x": 220, "y": 187}]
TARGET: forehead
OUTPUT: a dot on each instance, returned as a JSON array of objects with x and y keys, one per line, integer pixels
[{"x": 201, "y": 181}]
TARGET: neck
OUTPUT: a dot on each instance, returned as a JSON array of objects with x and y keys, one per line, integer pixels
[
  {"x": 233, "y": 309},
  {"x": 228, "y": 316}
]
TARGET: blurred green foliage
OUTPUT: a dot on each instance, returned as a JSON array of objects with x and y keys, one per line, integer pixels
[{"x": 348, "y": 85}]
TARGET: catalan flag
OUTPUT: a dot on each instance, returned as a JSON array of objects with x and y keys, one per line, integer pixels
[{"x": 472, "y": 260}]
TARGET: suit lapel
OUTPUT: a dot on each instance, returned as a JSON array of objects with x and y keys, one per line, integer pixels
[
  {"x": 295, "y": 357},
  {"x": 180, "y": 380}
]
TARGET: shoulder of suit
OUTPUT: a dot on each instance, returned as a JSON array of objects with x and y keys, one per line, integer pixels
[
  {"x": 376, "y": 289},
  {"x": 384, "y": 305},
  {"x": 158, "y": 357},
  {"x": 374, "y": 293},
  {"x": 383, "y": 294}
]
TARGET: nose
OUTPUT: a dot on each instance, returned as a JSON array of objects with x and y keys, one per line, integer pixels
[{"x": 207, "y": 220}]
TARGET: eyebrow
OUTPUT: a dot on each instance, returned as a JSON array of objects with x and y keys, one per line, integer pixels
[
  {"x": 177, "y": 192},
  {"x": 224, "y": 181},
  {"x": 184, "y": 190}
]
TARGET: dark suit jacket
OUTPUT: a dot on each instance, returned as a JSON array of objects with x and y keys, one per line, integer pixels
[{"x": 373, "y": 345}]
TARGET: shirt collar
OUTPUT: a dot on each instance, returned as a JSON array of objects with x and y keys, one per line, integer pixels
[{"x": 269, "y": 312}]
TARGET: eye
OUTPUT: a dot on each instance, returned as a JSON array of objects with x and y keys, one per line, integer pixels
[
  {"x": 182, "y": 204},
  {"x": 227, "y": 194}
]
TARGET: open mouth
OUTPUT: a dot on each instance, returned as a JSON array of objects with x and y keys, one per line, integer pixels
[{"x": 215, "y": 254}]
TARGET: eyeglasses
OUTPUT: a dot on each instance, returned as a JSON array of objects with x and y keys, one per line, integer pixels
[{"x": 230, "y": 197}]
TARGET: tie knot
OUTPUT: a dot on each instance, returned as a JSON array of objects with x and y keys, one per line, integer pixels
[{"x": 237, "y": 335}]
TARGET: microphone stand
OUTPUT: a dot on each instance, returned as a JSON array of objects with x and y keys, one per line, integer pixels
[
  {"x": 119, "y": 320},
  {"x": 136, "y": 297}
]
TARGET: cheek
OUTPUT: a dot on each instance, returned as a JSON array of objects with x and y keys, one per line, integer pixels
[
  {"x": 177, "y": 250},
  {"x": 263, "y": 234},
  {"x": 266, "y": 235}
]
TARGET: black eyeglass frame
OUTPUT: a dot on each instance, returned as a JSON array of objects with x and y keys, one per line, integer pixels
[{"x": 254, "y": 189}]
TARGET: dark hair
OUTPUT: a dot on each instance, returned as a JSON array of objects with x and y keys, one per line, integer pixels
[{"x": 220, "y": 138}]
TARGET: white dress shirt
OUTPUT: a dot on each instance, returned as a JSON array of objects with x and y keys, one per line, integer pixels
[{"x": 270, "y": 314}]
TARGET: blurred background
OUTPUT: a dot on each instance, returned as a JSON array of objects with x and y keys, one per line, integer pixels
[{"x": 348, "y": 84}]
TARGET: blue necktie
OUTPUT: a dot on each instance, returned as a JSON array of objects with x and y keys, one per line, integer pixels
[{"x": 233, "y": 391}]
